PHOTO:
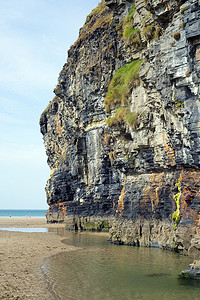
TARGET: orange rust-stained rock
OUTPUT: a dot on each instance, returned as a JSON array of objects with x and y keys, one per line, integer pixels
[
  {"x": 121, "y": 199},
  {"x": 190, "y": 199},
  {"x": 169, "y": 152},
  {"x": 153, "y": 191}
]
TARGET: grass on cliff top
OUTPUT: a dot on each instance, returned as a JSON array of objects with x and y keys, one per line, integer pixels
[
  {"x": 121, "y": 85},
  {"x": 101, "y": 8},
  {"x": 98, "y": 18}
]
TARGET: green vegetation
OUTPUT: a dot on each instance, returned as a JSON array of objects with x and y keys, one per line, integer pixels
[
  {"x": 101, "y": 7},
  {"x": 128, "y": 20},
  {"x": 149, "y": 32},
  {"x": 89, "y": 225},
  {"x": 186, "y": 275},
  {"x": 176, "y": 214},
  {"x": 175, "y": 245},
  {"x": 100, "y": 17},
  {"x": 183, "y": 10},
  {"x": 123, "y": 115},
  {"x": 130, "y": 34},
  {"x": 118, "y": 94},
  {"x": 179, "y": 104},
  {"x": 121, "y": 85},
  {"x": 99, "y": 226},
  {"x": 157, "y": 32},
  {"x": 104, "y": 224}
]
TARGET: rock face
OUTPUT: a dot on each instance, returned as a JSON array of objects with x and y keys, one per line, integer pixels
[
  {"x": 122, "y": 134},
  {"x": 192, "y": 272}
]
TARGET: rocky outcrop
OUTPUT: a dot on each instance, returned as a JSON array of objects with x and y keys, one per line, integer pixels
[
  {"x": 192, "y": 272},
  {"x": 122, "y": 133}
]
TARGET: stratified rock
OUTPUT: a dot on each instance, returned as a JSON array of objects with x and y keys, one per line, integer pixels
[{"x": 122, "y": 133}]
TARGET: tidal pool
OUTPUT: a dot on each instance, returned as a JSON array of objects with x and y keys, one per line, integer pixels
[{"x": 101, "y": 270}]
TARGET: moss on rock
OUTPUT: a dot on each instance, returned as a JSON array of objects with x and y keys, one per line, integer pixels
[
  {"x": 121, "y": 85},
  {"x": 176, "y": 214}
]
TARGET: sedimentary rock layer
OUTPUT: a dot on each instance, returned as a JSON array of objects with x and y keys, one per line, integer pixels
[{"x": 122, "y": 133}]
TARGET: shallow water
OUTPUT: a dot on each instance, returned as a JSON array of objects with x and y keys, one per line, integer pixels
[
  {"x": 101, "y": 270},
  {"x": 27, "y": 229}
]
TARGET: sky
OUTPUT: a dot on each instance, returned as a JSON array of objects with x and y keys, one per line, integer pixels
[{"x": 34, "y": 37}]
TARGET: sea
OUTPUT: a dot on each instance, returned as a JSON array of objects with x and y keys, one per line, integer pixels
[{"x": 20, "y": 213}]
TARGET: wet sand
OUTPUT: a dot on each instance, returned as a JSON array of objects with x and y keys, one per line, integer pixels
[{"x": 21, "y": 256}]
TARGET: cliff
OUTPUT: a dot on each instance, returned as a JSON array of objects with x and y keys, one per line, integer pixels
[{"x": 122, "y": 134}]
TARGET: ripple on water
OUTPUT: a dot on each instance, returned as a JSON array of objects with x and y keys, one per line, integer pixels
[{"x": 101, "y": 270}]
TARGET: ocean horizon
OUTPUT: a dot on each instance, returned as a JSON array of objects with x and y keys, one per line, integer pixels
[{"x": 20, "y": 213}]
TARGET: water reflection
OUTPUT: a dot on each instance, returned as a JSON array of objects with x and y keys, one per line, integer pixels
[
  {"x": 101, "y": 270},
  {"x": 157, "y": 275},
  {"x": 27, "y": 229},
  {"x": 57, "y": 230},
  {"x": 190, "y": 282}
]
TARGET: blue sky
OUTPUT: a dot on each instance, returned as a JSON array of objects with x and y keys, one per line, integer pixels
[{"x": 34, "y": 37}]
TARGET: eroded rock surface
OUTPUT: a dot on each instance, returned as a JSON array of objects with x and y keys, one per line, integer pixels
[
  {"x": 192, "y": 271},
  {"x": 123, "y": 144}
]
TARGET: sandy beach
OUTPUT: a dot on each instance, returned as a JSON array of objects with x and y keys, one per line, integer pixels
[{"x": 21, "y": 256}]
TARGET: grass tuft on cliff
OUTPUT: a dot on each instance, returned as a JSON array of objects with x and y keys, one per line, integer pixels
[
  {"x": 121, "y": 85},
  {"x": 149, "y": 32},
  {"x": 100, "y": 17},
  {"x": 101, "y": 7},
  {"x": 123, "y": 115},
  {"x": 128, "y": 22},
  {"x": 131, "y": 35}
]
